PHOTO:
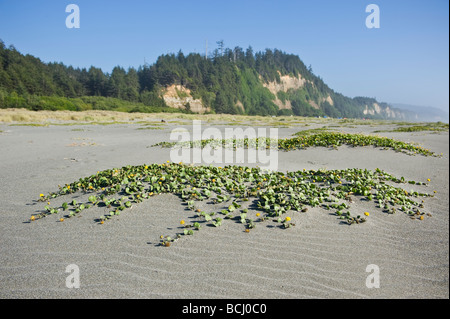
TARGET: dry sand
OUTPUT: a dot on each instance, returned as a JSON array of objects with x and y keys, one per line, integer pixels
[{"x": 319, "y": 258}]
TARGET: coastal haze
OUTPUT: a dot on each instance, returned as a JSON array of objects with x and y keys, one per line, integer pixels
[{"x": 424, "y": 113}]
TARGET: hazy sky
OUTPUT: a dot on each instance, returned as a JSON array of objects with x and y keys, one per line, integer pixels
[{"x": 406, "y": 60}]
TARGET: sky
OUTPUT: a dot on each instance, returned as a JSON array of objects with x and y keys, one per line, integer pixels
[{"x": 405, "y": 60}]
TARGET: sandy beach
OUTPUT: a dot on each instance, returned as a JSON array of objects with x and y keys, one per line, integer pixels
[{"x": 319, "y": 258}]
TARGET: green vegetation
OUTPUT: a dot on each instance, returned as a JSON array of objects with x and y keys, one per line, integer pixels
[
  {"x": 68, "y": 124},
  {"x": 312, "y": 131},
  {"x": 150, "y": 128},
  {"x": 83, "y": 103},
  {"x": 306, "y": 139},
  {"x": 435, "y": 127},
  {"x": 229, "y": 81},
  {"x": 274, "y": 195},
  {"x": 30, "y": 124},
  {"x": 335, "y": 139}
]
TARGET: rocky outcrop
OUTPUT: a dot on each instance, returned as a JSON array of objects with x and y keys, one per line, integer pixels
[
  {"x": 178, "y": 96},
  {"x": 385, "y": 112},
  {"x": 329, "y": 100},
  {"x": 286, "y": 82}
]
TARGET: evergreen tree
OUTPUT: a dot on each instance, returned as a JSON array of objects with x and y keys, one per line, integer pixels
[
  {"x": 96, "y": 82},
  {"x": 117, "y": 85}
]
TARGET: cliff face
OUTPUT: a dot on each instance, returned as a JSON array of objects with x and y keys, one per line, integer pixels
[
  {"x": 385, "y": 112},
  {"x": 291, "y": 83},
  {"x": 179, "y": 97},
  {"x": 286, "y": 82}
]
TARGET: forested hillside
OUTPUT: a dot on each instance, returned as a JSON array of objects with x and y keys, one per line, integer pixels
[{"x": 234, "y": 81}]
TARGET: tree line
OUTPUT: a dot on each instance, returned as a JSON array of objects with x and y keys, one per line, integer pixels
[{"x": 227, "y": 81}]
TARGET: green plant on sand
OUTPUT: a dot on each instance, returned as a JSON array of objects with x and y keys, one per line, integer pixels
[
  {"x": 303, "y": 141},
  {"x": 273, "y": 194}
]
